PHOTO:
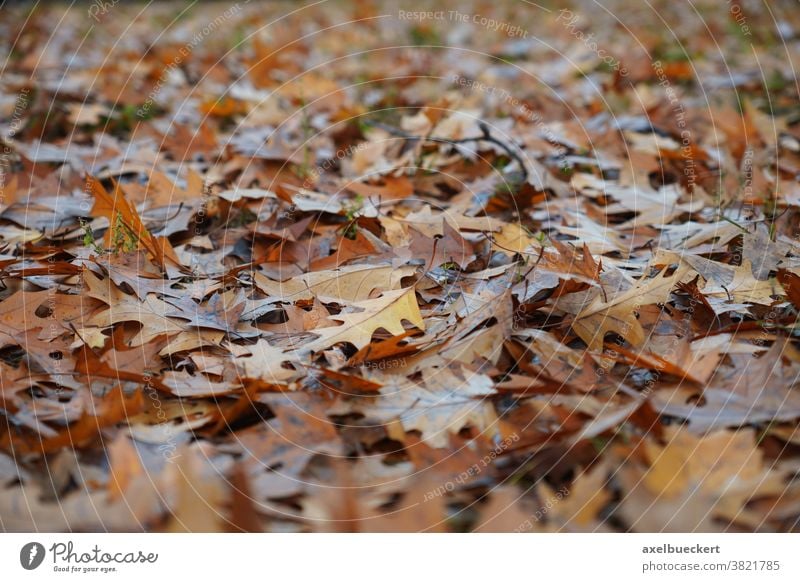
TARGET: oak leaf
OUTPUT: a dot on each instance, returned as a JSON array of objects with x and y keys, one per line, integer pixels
[
  {"x": 386, "y": 312},
  {"x": 618, "y": 314},
  {"x": 350, "y": 283}
]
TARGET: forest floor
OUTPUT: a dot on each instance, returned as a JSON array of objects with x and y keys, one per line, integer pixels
[{"x": 349, "y": 267}]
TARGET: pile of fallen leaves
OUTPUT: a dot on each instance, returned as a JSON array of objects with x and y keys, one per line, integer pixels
[{"x": 346, "y": 269}]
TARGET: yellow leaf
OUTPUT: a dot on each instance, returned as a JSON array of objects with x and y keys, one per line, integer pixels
[
  {"x": 387, "y": 312},
  {"x": 513, "y": 239},
  {"x": 618, "y": 314},
  {"x": 718, "y": 462},
  {"x": 354, "y": 283}
]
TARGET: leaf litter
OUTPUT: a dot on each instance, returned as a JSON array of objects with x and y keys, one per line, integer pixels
[{"x": 350, "y": 276}]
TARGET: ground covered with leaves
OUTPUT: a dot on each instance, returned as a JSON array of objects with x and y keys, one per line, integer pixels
[{"x": 349, "y": 267}]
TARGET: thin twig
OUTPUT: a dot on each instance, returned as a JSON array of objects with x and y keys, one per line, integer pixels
[{"x": 486, "y": 136}]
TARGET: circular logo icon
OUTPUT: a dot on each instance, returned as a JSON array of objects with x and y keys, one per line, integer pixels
[{"x": 31, "y": 555}]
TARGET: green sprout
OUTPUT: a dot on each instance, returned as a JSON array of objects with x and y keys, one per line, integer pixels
[
  {"x": 88, "y": 238},
  {"x": 351, "y": 213}
]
